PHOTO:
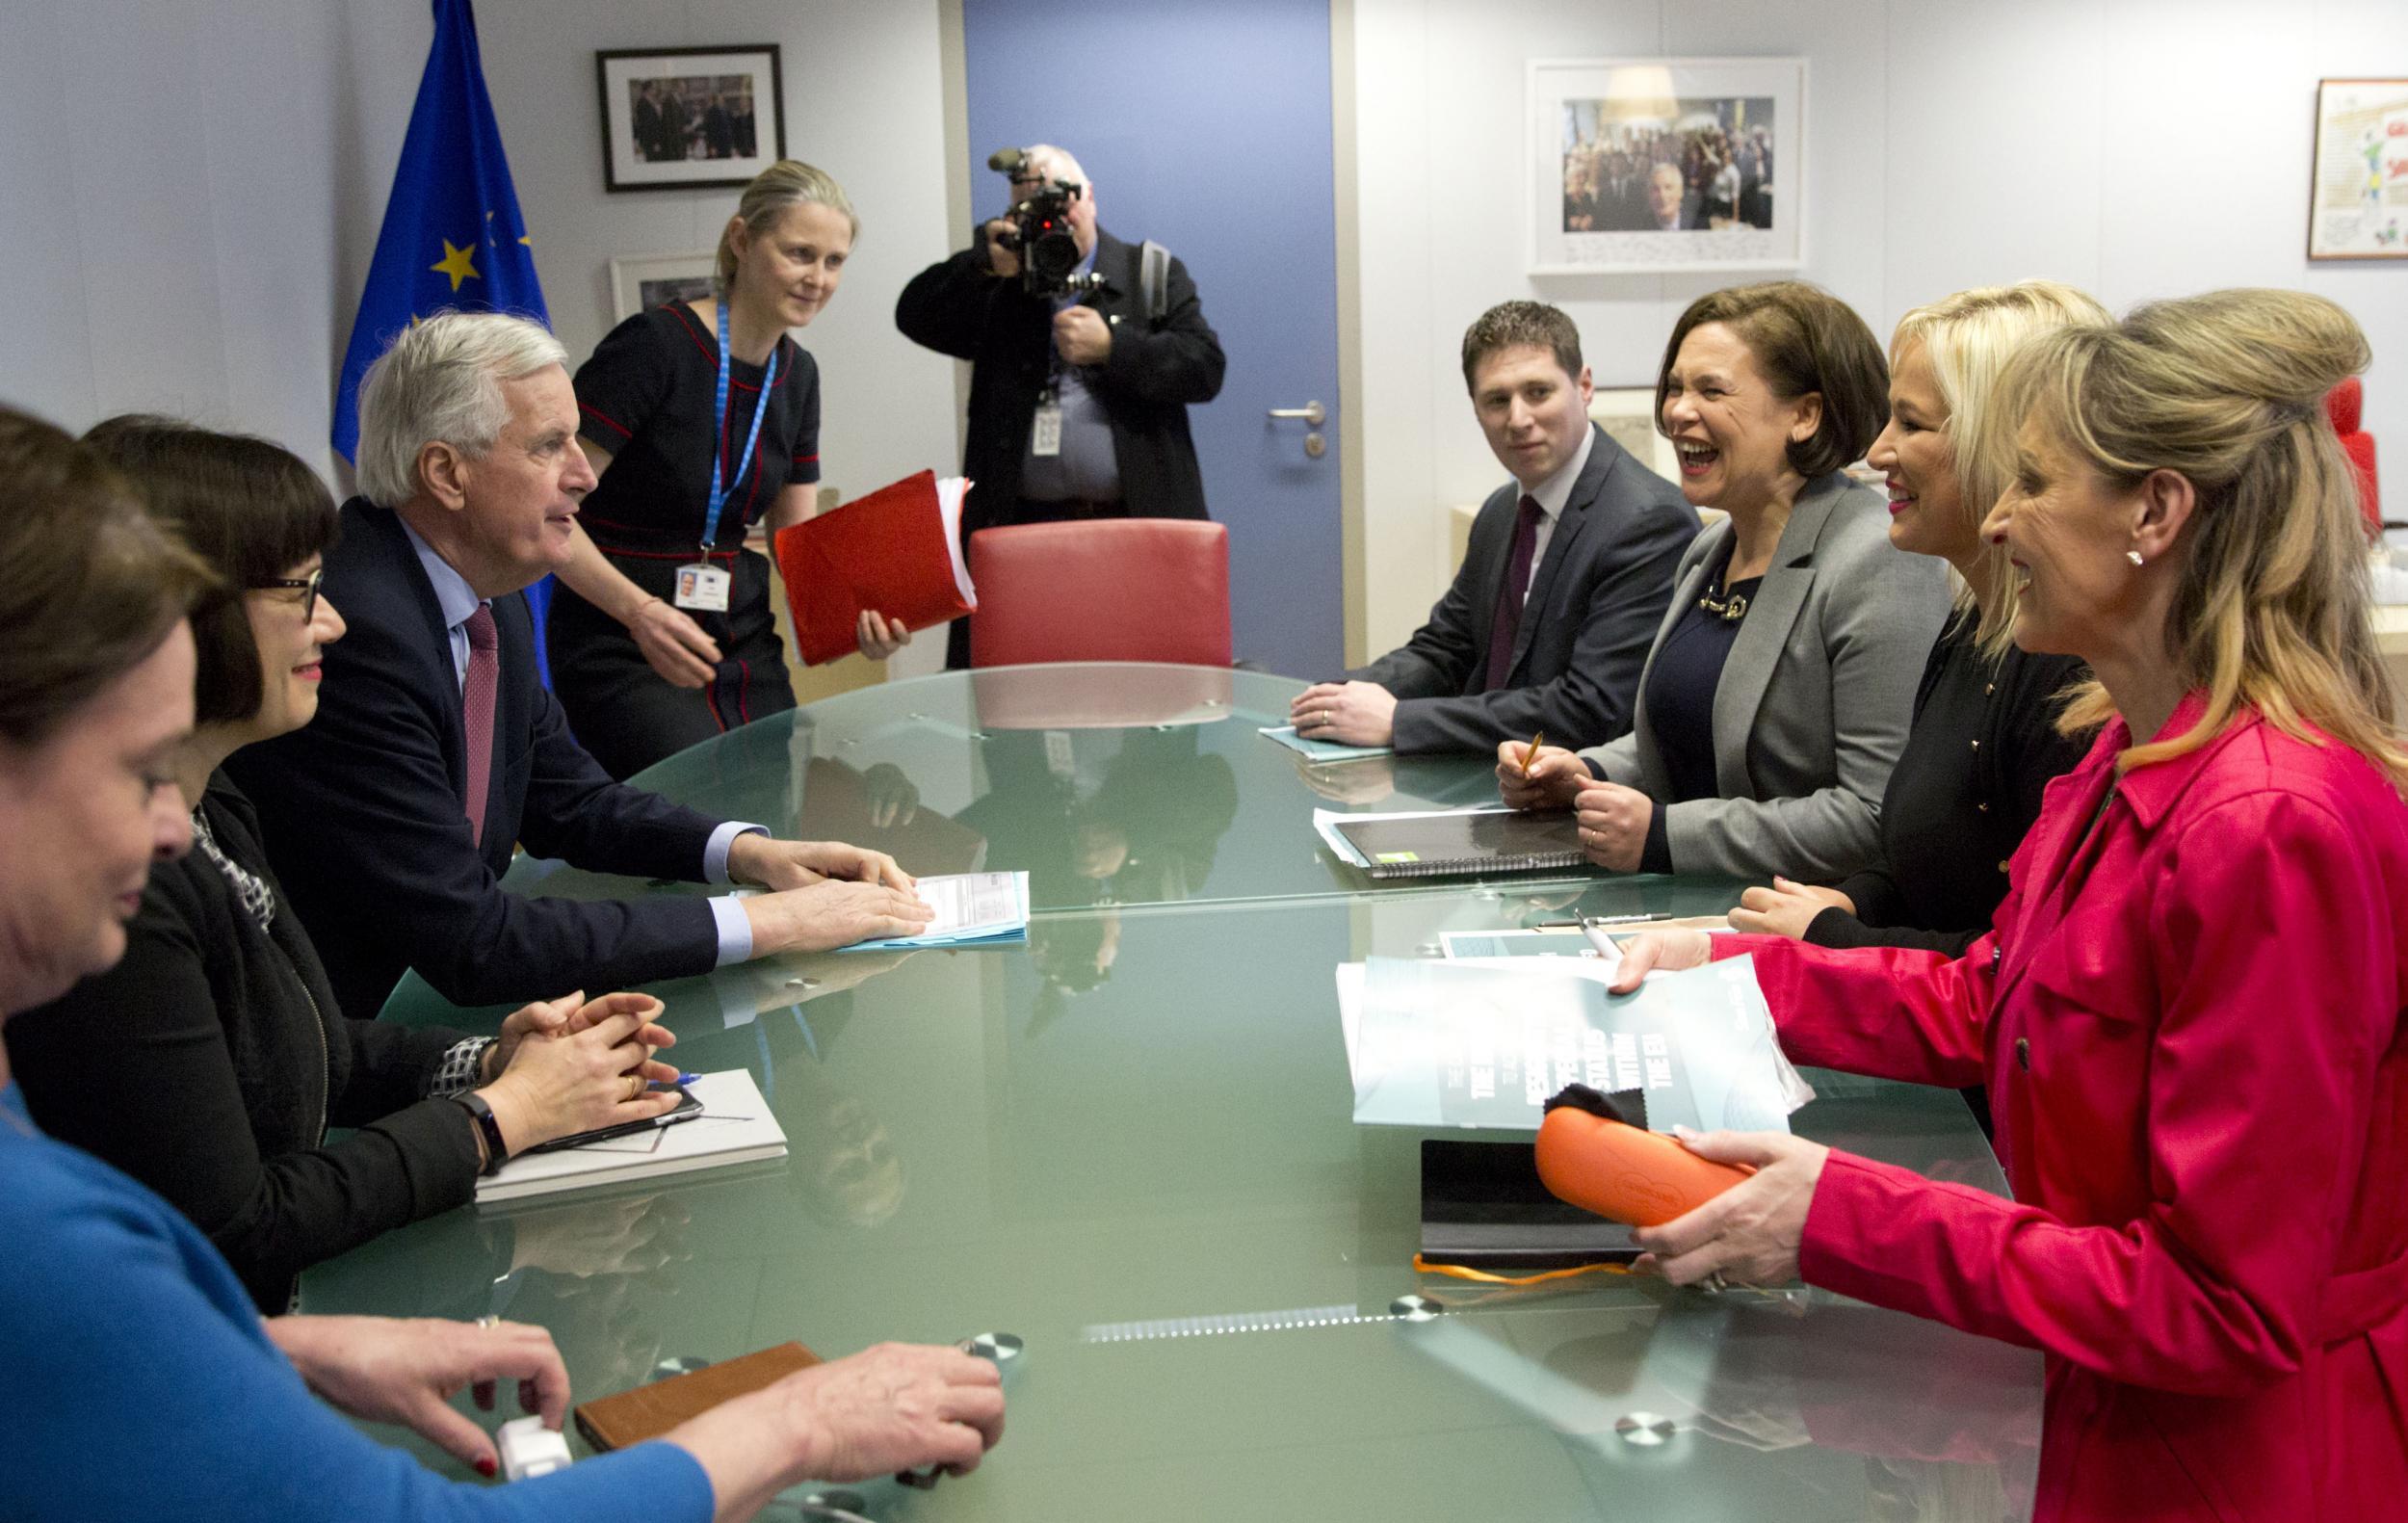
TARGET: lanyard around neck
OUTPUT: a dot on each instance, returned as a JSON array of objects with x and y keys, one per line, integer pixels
[{"x": 720, "y": 487}]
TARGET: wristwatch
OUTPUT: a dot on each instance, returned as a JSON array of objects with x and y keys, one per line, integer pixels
[{"x": 496, "y": 1153}]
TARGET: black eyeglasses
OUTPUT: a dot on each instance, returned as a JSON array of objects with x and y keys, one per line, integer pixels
[{"x": 302, "y": 584}]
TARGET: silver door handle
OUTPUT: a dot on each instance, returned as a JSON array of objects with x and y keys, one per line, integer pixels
[{"x": 1311, "y": 412}]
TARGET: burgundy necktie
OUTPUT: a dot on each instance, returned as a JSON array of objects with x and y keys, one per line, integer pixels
[
  {"x": 1507, "y": 624},
  {"x": 476, "y": 705}
]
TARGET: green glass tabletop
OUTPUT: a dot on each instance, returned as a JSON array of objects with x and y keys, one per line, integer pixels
[
  {"x": 1129, "y": 1143},
  {"x": 1117, "y": 784}
]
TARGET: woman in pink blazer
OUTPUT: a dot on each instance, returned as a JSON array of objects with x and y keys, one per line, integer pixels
[{"x": 2188, "y": 1012}]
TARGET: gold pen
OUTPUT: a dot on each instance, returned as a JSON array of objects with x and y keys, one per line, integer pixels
[{"x": 1529, "y": 753}]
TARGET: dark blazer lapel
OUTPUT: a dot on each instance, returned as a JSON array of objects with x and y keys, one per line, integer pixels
[
  {"x": 1765, "y": 634},
  {"x": 1570, "y": 524}
]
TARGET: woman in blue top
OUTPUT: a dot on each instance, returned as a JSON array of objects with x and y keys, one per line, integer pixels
[{"x": 142, "y": 1383}]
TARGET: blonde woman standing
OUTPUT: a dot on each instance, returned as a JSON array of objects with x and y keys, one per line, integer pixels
[
  {"x": 663, "y": 635},
  {"x": 2189, "y": 1014},
  {"x": 1984, "y": 743}
]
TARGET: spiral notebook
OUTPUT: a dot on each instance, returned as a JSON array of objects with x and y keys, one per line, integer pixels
[{"x": 1444, "y": 841}]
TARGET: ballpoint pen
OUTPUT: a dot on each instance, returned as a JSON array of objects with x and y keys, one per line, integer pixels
[{"x": 1529, "y": 753}]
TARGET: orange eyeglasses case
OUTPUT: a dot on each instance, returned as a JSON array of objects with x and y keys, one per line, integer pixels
[{"x": 1595, "y": 1151}]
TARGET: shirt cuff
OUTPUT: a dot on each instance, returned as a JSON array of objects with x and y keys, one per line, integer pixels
[
  {"x": 1655, "y": 857},
  {"x": 735, "y": 931},
  {"x": 714, "y": 851},
  {"x": 1596, "y": 768}
]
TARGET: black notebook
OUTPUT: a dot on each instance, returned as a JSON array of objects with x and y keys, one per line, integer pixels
[
  {"x": 1465, "y": 841},
  {"x": 1484, "y": 1207}
]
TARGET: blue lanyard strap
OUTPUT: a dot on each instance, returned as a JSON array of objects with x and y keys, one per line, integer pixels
[{"x": 718, "y": 435}]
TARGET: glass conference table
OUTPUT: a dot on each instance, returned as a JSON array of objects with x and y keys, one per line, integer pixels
[{"x": 1129, "y": 1144}]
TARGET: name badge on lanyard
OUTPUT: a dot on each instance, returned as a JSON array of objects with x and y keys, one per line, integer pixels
[{"x": 701, "y": 586}]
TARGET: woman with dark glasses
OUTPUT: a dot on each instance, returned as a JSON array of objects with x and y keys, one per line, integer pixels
[{"x": 210, "y": 1062}]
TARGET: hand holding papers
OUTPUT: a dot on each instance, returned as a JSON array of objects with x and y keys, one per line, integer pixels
[
  {"x": 972, "y": 909},
  {"x": 897, "y": 551}
]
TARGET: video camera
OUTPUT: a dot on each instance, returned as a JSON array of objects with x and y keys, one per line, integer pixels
[{"x": 1040, "y": 232}]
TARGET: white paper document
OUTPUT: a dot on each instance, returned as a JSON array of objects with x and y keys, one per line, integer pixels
[
  {"x": 972, "y": 908},
  {"x": 1485, "y": 1043}
]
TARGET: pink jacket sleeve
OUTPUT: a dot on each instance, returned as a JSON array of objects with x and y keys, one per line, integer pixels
[
  {"x": 1893, "y": 1013},
  {"x": 2273, "y": 970}
]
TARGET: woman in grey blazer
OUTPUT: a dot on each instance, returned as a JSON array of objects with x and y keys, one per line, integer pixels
[{"x": 1778, "y": 693}]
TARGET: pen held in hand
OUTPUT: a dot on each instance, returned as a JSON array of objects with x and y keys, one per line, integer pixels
[{"x": 1530, "y": 752}]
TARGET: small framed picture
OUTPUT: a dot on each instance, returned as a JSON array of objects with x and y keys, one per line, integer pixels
[
  {"x": 1627, "y": 415},
  {"x": 676, "y": 117},
  {"x": 1652, "y": 165},
  {"x": 642, "y": 283},
  {"x": 2358, "y": 184}
]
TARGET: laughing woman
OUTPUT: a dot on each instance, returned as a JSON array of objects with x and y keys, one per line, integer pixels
[
  {"x": 1777, "y": 696},
  {"x": 1985, "y": 741},
  {"x": 2190, "y": 1013}
]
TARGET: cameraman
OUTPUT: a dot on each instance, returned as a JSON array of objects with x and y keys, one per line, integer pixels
[{"x": 1078, "y": 400}]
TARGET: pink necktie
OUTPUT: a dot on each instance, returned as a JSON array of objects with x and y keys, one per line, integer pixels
[{"x": 475, "y": 702}]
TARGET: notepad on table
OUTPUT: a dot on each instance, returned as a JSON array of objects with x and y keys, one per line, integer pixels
[
  {"x": 735, "y": 1128},
  {"x": 973, "y": 909},
  {"x": 1312, "y": 751},
  {"x": 898, "y": 551},
  {"x": 1431, "y": 843}
]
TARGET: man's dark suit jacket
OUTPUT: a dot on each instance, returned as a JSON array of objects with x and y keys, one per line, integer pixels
[
  {"x": 1595, "y": 600},
  {"x": 363, "y": 811},
  {"x": 1156, "y": 369}
]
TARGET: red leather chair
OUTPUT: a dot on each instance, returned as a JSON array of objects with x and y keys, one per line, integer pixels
[
  {"x": 2344, "y": 403},
  {"x": 1101, "y": 589}
]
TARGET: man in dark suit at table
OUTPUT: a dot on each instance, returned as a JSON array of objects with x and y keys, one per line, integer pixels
[
  {"x": 391, "y": 817},
  {"x": 1562, "y": 588}
]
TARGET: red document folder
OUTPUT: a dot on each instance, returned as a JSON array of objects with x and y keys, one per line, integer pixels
[{"x": 897, "y": 550}]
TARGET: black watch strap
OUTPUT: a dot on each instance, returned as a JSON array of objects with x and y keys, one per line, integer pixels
[{"x": 496, "y": 1154}]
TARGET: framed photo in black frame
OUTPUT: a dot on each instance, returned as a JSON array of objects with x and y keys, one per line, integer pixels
[{"x": 679, "y": 117}]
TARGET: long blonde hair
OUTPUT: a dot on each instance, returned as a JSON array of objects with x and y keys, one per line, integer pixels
[
  {"x": 1968, "y": 338},
  {"x": 2228, "y": 390},
  {"x": 788, "y": 183}
]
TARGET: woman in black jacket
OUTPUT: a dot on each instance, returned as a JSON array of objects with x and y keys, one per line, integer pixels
[
  {"x": 1984, "y": 742},
  {"x": 209, "y": 1062}
]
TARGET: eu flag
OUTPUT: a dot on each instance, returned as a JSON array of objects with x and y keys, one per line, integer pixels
[{"x": 452, "y": 236}]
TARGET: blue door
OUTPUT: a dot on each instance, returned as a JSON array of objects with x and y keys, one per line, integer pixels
[{"x": 1206, "y": 128}]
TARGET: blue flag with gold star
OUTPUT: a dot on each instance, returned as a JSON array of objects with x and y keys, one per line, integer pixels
[{"x": 452, "y": 236}]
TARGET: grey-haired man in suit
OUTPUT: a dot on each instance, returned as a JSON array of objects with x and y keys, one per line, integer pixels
[{"x": 1566, "y": 576}]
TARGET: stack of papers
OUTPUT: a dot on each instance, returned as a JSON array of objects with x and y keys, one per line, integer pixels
[
  {"x": 735, "y": 1128},
  {"x": 1321, "y": 751},
  {"x": 1484, "y": 1045},
  {"x": 973, "y": 909}
]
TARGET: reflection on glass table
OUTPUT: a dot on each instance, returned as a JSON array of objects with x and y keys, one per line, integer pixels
[
  {"x": 1110, "y": 782},
  {"x": 1155, "y": 1181}
]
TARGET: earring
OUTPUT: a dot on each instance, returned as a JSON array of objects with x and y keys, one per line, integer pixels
[{"x": 2133, "y": 556}]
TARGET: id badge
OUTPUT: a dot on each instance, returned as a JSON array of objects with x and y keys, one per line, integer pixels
[
  {"x": 703, "y": 587},
  {"x": 1045, "y": 437}
]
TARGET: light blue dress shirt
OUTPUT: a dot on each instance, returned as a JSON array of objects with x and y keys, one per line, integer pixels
[{"x": 459, "y": 600}]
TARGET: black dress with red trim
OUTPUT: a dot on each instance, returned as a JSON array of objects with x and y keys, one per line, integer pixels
[{"x": 648, "y": 396}]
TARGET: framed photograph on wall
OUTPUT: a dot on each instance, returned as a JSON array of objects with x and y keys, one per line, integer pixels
[
  {"x": 1627, "y": 415},
  {"x": 2358, "y": 185},
  {"x": 1641, "y": 165},
  {"x": 674, "y": 117},
  {"x": 640, "y": 283}
]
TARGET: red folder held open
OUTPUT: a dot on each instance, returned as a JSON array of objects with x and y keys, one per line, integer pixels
[{"x": 897, "y": 550}]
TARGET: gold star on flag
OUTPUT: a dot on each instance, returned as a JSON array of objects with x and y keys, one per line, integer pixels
[{"x": 457, "y": 263}]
